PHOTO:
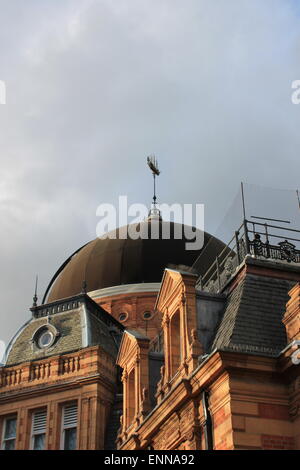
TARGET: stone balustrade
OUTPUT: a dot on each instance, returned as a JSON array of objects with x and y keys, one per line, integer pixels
[{"x": 56, "y": 368}]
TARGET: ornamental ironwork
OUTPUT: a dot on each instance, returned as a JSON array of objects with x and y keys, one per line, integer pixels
[
  {"x": 288, "y": 251},
  {"x": 254, "y": 242},
  {"x": 284, "y": 251},
  {"x": 258, "y": 245}
]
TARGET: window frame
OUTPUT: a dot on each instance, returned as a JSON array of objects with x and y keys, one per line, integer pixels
[
  {"x": 32, "y": 433},
  {"x": 3, "y": 439},
  {"x": 64, "y": 427},
  {"x": 39, "y": 339}
]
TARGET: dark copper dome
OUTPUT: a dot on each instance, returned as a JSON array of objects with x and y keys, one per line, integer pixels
[{"x": 106, "y": 262}]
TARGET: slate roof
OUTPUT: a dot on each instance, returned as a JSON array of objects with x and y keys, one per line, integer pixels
[
  {"x": 80, "y": 323},
  {"x": 252, "y": 320}
]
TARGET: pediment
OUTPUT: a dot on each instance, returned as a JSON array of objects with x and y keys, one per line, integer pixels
[
  {"x": 170, "y": 282},
  {"x": 131, "y": 343}
]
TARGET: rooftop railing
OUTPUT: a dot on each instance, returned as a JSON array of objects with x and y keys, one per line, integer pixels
[{"x": 253, "y": 238}]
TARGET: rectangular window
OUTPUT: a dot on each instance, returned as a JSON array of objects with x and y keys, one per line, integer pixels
[
  {"x": 9, "y": 433},
  {"x": 38, "y": 433},
  {"x": 69, "y": 427}
]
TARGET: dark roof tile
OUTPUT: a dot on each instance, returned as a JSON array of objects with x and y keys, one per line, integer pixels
[{"x": 252, "y": 320}]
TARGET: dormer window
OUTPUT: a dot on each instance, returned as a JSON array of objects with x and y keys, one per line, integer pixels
[
  {"x": 45, "y": 336},
  {"x": 45, "y": 339}
]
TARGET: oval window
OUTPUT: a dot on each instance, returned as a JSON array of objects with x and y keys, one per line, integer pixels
[
  {"x": 147, "y": 315},
  {"x": 45, "y": 339},
  {"x": 123, "y": 316}
]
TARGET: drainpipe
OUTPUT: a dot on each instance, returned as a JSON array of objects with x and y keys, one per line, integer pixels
[{"x": 207, "y": 422}]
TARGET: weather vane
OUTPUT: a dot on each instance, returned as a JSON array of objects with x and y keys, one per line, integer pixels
[{"x": 152, "y": 163}]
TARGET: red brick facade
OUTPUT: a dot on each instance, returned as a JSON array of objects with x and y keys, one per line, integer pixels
[
  {"x": 253, "y": 401},
  {"x": 227, "y": 400},
  {"x": 85, "y": 378}
]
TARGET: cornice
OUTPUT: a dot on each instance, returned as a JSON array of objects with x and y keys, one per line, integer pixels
[
  {"x": 151, "y": 287},
  {"x": 204, "y": 376}
]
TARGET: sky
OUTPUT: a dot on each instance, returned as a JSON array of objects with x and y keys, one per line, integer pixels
[{"x": 94, "y": 86}]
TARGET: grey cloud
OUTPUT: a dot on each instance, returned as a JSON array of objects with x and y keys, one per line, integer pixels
[{"x": 93, "y": 87}]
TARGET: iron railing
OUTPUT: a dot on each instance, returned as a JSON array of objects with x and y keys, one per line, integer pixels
[{"x": 252, "y": 238}]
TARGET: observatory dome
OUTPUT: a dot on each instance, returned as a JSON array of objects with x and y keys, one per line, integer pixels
[{"x": 106, "y": 262}]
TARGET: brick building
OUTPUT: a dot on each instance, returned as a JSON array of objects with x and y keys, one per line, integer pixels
[{"x": 141, "y": 344}]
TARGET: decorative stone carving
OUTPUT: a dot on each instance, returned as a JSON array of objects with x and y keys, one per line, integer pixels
[
  {"x": 162, "y": 374},
  {"x": 145, "y": 404},
  {"x": 161, "y": 443},
  {"x": 166, "y": 319},
  {"x": 195, "y": 350},
  {"x": 124, "y": 375},
  {"x": 161, "y": 382}
]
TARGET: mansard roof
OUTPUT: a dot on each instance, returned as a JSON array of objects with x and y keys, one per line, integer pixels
[
  {"x": 254, "y": 309},
  {"x": 78, "y": 322}
]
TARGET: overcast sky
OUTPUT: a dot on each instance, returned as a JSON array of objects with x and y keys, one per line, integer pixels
[{"x": 94, "y": 86}]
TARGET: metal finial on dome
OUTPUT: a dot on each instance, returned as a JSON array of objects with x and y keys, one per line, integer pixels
[
  {"x": 153, "y": 165},
  {"x": 35, "y": 297}
]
